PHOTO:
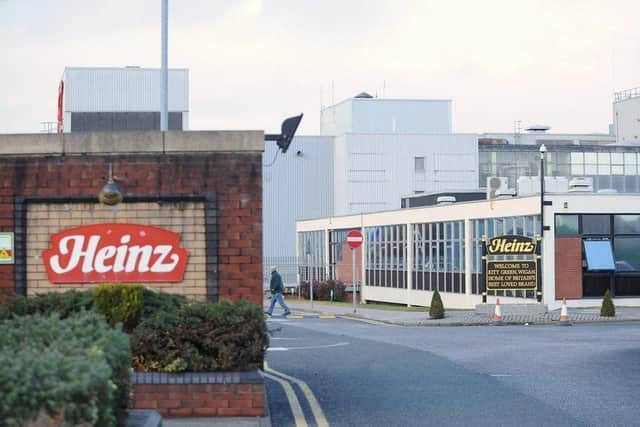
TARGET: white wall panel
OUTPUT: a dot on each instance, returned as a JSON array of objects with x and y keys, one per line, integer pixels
[{"x": 123, "y": 89}]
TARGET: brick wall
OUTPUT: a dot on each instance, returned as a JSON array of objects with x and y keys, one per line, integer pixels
[
  {"x": 233, "y": 178},
  {"x": 232, "y": 394},
  {"x": 344, "y": 268},
  {"x": 185, "y": 218},
  {"x": 568, "y": 267}
]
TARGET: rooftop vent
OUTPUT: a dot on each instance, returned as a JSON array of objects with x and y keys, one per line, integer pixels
[
  {"x": 445, "y": 200},
  {"x": 538, "y": 128},
  {"x": 363, "y": 95},
  {"x": 581, "y": 185}
]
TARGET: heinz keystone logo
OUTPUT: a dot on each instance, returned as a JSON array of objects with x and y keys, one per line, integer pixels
[
  {"x": 115, "y": 253},
  {"x": 511, "y": 245}
]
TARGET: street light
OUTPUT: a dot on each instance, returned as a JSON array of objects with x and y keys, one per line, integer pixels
[{"x": 543, "y": 150}]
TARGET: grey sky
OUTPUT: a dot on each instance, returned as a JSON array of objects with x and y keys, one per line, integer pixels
[{"x": 254, "y": 62}]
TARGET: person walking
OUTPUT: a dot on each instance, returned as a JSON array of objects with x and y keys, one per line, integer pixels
[{"x": 277, "y": 289}]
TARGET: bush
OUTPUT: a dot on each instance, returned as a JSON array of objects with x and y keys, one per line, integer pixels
[
  {"x": 436, "y": 309},
  {"x": 120, "y": 303},
  {"x": 155, "y": 304},
  {"x": 76, "y": 369},
  {"x": 607, "y": 309},
  {"x": 202, "y": 337},
  {"x": 63, "y": 303},
  {"x": 322, "y": 290}
]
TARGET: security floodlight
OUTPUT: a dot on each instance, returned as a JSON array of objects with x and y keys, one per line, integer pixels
[{"x": 288, "y": 130}]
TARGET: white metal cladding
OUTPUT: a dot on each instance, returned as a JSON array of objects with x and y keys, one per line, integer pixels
[
  {"x": 374, "y": 171},
  {"x": 123, "y": 89},
  {"x": 380, "y": 115},
  {"x": 295, "y": 187}
]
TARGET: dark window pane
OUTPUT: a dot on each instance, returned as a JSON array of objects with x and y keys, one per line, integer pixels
[
  {"x": 628, "y": 286},
  {"x": 626, "y": 224},
  {"x": 567, "y": 225},
  {"x": 596, "y": 224},
  {"x": 627, "y": 253},
  {"x": 595, "y": 285}
]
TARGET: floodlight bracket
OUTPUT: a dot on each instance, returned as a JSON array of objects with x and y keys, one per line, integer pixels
[{"x": 288, "y": 131}]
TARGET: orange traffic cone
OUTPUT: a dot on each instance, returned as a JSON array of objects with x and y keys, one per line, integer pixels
[
  {"x": 564, "y": 316},
  {"x": 496, "y": 319}
]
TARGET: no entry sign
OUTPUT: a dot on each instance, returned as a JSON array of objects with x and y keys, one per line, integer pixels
[{"x": 354, "y": 239}]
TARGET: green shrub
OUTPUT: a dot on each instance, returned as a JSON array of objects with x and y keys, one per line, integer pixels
[
  {"x": 202, "y": 337},
  {"x": 75, "y": 368},
  {"x": 160, "y": 304},
  {"x": 436, "y": 309},
  {"x": 120, "y": 303},
  {"x": 322, "y": 290},
  {"x": 63, "y": 303},
  {"x": 607, "y": 309}
]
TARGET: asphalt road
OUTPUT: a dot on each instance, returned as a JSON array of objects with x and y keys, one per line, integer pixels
[{"x": 375, "y": 375}]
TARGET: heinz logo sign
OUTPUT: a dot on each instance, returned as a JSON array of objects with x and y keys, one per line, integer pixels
[
  {"x": 115, "y": 253},
  {"x": 511, "y": 245}
]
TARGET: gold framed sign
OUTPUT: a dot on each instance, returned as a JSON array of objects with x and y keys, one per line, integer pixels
[
  {"x": 6, "y": 248},
  {"x": 512, "y": 275}
]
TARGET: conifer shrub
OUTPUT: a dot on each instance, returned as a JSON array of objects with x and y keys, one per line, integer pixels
[
  {"x": 202, "y": 337},
  {"x": 436, "y": 309},
  {"x": 75, "y": 369},
  {"x": 120, "y": 303},
  {"x": 607, "y": 309},
  {"x": 63, "y": 303}
]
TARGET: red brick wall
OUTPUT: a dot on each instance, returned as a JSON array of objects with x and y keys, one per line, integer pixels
[
  {"x": 344, "y": 268},
  {"x": 235, "y": 178},
  {"x": 201, "y": 400},
  {"x": 568, "y": 267}
]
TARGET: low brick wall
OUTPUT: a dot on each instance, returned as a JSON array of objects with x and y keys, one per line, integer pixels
[{"x": 220, "y": 394}]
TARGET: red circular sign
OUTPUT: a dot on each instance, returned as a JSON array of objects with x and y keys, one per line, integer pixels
[{"x": 354, "y": 239}]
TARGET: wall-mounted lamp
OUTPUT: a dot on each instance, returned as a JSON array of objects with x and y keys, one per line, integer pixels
[{"x": 111, "y": 194}]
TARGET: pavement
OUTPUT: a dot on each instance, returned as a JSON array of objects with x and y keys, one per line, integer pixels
[{"x": 455, "y": 317}]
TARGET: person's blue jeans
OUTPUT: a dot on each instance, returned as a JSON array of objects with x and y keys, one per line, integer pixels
[{"x": 278, "y": 297}]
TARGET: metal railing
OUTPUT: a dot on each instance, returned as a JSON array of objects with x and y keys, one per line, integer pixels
[{"x": 626, "y": 94}]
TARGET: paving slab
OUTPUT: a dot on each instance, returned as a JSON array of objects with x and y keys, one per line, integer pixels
[{"x": 458, "y": 317}]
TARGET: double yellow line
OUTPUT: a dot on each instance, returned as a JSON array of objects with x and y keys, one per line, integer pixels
[{"x": 298, "y": 415}]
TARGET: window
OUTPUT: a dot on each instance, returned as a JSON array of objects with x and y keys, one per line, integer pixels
[
  {"x": 567, "y": 225},
  {"x": 626, "y": 224},
  {"x": 596, "y": 224},
  {"x": 418, "y": 163},
  {"x": 627, "y": 253},
  {"x": 599, "y": 255}
]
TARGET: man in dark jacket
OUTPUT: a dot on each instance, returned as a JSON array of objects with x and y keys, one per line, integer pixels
[{"x": 277, "y": 289}]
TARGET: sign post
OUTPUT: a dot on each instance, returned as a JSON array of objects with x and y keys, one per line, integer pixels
[{"x": 354, "y": 240}]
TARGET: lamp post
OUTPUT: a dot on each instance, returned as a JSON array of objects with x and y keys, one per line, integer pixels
[{"x": 543, "y": 150}]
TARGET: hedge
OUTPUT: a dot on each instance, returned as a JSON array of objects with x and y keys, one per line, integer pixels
[
  {"x": 202, "y": 337},
  {"x": 76, "y": 369},
  {"x": 322, "y": 290},
  {"x": 110, "y": 296},
  {"x": 65, "y": 304}
]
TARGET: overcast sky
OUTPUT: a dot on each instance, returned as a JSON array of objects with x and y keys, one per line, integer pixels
[{"x": 254, "y": 62}]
